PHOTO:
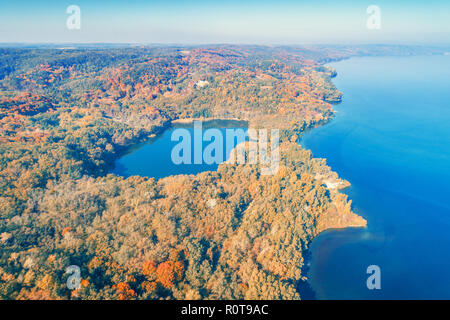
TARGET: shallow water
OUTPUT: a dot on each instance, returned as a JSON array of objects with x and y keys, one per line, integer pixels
[{"x": 391, "y": 140}]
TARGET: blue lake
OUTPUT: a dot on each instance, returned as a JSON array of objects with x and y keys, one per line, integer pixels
[
  {"x": 154, "y": 157},
  {"x": 391, "y": 141}
]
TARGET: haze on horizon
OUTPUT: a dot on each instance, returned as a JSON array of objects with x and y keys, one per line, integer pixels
[{"x": 205, "y": 22}]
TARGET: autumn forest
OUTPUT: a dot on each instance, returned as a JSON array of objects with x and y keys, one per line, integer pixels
[{"x": 67, "y": 113}]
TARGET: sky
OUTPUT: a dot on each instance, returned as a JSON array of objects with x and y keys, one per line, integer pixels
[{"x": 231, "y": 21}]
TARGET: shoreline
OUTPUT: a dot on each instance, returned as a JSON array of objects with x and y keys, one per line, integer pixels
[
  {"x": 338, "y": 220},
  {"x": 305, "y": 287},
  {"x": 203, "y": 119}
]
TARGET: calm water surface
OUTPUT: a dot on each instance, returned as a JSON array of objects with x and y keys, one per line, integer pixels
[
  {"x": 391, "y": 140},
  {"x": 153, "y": 158}
]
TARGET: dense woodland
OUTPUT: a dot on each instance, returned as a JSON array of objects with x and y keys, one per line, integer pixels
[{"x": 66, "y": 114}]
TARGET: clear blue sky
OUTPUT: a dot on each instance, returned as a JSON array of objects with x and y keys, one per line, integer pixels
[{"x": 244, "y": 21}]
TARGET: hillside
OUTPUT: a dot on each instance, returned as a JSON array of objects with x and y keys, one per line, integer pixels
[{"x": 231, "y": 234}]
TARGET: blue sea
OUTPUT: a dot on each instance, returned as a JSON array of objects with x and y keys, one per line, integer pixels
[{"x": 391, "y": 140}]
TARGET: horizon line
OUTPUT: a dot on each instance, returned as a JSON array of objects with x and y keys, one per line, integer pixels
[{"x": 227, "y": 43}]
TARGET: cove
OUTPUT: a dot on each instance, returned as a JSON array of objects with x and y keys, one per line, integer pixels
[
  {"x": 154, "y": 157},
  {"x": 391, "y": 140}
]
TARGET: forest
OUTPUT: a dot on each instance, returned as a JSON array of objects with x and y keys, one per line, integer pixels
[{"x": 66, "y": 114}]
